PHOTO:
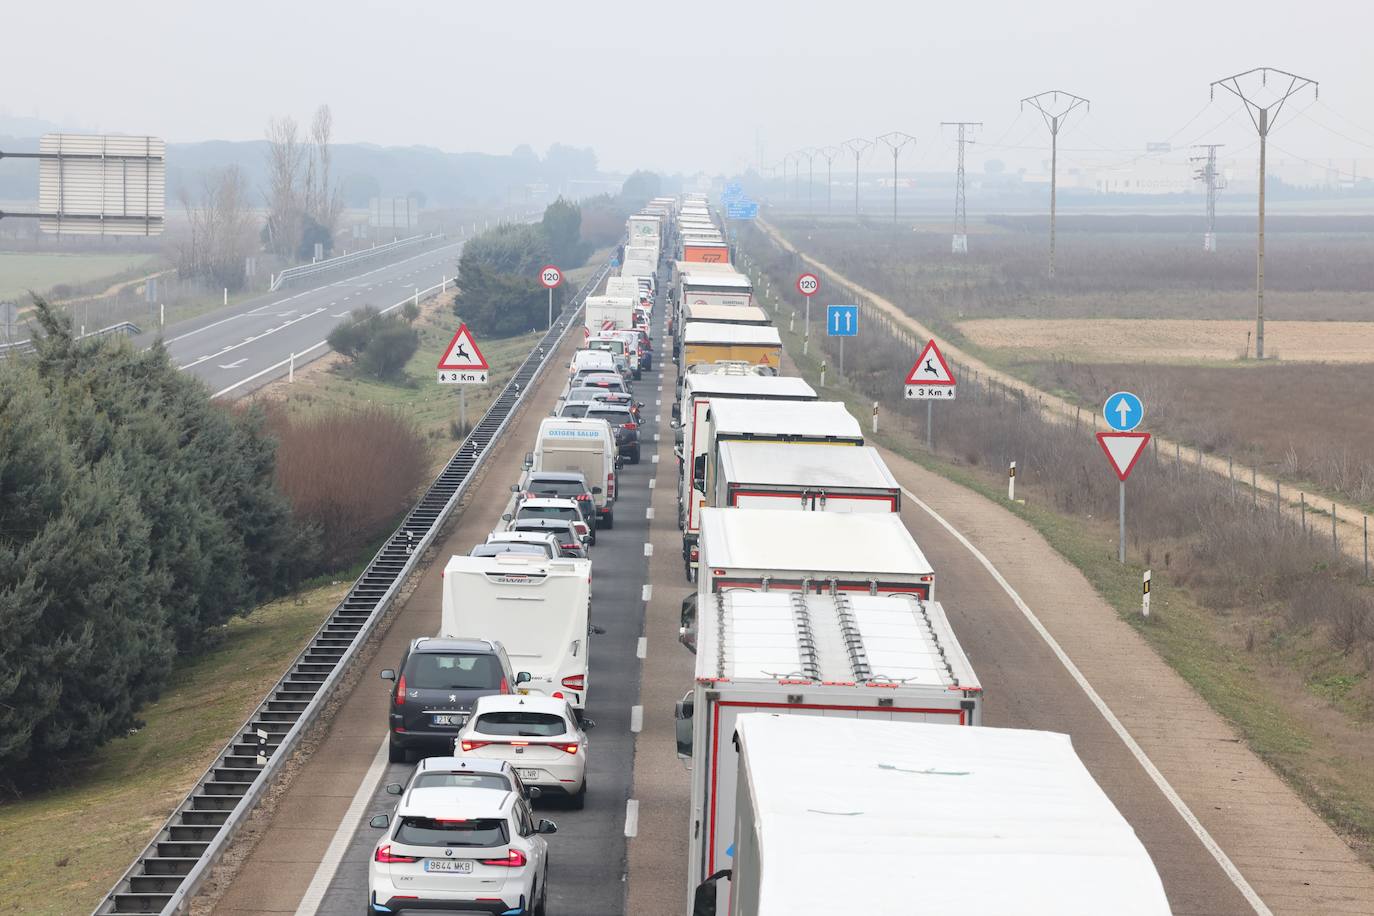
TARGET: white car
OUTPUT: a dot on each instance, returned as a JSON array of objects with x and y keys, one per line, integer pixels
[
  {"x": 539, "y": 736},
  {"x": 553, "y": 507},
  {"x": 473, "y": 850}
]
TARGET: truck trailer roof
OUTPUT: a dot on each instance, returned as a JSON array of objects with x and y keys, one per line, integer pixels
[
  {"x": 813, "y": 419},
  {"x": 820, "y": 544},
  {"x": 725, "y": 314},
  {"x": 740, "y": 386},
  {"x": 805, "y": 465},
  {"x": 709, "y": 332},
  {"x": 955, "y": 820}
]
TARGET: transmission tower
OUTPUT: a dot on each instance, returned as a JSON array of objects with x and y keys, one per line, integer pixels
[
  {"x": 895, "y": 140},
  {"x": 829, "y": 152},
  {"x": 1263, "y": 118},
  {"x": 1054, "y": 106},
  {"x": 858, "y": 146},
  {"x": 1215, "y": 182},
  {"x": 810, "y": 153},
  {"x": 960, "y": 244}
]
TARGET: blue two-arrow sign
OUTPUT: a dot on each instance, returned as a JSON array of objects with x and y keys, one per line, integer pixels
[
  {"x": 842, "y": 320},
  {"x": 1123, "y": 411}
]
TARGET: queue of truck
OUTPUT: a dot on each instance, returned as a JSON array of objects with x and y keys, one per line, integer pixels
[{"x": 833, "y": 731}]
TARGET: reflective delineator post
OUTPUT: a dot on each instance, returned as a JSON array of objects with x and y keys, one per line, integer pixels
[
  {"x": 1145, "y": 595},
  {"x": 822, "y": 373},
  {"x": 875, "y": 417},
  {"x": 1011, "y": 482},
  {"x": 291, "y": 370}
]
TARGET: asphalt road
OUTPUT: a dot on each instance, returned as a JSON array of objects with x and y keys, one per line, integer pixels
[{"x": 248, "y": 344}]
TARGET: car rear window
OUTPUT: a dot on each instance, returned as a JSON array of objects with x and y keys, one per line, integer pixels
[
  {"x": 439, "y": 780},
  {"x": 452, "y": 671},
  {"x": 567, "y": 512},
  {"x": 519, "y": 724},
  {"x": 574, "y": 409},
  {"x": 496, "y": 550},
  {"x": 614, "y": 417},
  {"x": 582, "y": 394},
  {"x": 425, "y": 831},
  {"x": 562, "y": 488}
]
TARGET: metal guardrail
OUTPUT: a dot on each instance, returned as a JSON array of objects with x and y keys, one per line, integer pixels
[
  {"x": 121, "y": 327},
  {"x": 166, "y": 875},
  {"x": 292, "y": 274}
]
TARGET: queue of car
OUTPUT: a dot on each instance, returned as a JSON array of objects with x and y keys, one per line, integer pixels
[{"x": 499, "y": 695}]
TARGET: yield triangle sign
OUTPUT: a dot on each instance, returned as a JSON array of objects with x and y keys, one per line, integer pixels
[
  {"x": 930, "y": 368},
  {"x": 462, "y": 353},
  {"x": 1123, "y": 450}
]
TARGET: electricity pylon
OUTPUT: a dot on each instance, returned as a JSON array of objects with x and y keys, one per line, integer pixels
[
  {"x": 960, "y": 243},
  {"x": 1054, "y": 106}
]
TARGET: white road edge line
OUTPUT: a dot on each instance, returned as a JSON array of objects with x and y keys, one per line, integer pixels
[
  {"x": 338, "y": 845},
  {"x": 648, "y": 549},
  {"x": 631, "y": 817},
  {"x": 1136, "y": 750},
  {"x": 655, "y": 458},
  {"x": 652, "y": 482},
  {"x": 649, "y": 513},
  {"x": 642, "y": 647},
  {"x": 647, "y": 592},
  {"x": 636, "y": 720}
]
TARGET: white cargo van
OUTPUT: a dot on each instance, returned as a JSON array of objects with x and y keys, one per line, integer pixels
[
  {"x": 581, "y": 445},
  {"x": 537, "y": 608},
  {"x": 996, "y": 820}
]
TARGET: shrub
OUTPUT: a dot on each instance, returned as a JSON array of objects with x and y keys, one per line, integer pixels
[{"x": 392, "y": 345}]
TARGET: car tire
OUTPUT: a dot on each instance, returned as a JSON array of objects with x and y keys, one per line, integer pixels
[
  {"x": 395, "y": 754},
  {"x": 542, "y": 907},
  {"x": 579, "y": 801},
  {"x": 608, "y": 520},
  {"x": 634, "y": 458}
]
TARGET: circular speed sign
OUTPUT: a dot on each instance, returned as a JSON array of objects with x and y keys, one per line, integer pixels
[
  {"x": 550, "y": 276},
  {"x": 808, "y": 285}
]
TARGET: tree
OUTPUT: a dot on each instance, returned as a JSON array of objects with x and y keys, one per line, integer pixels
[
  {"x": 499, "y": 292},
  {"x": 219, "y": 230},
  {"x": 285, "y": 200},
  {"x": 640, "y": 188},
  {"x": 324, "y": 199},
  {"x": 379, "y": 345},
  {"x": 562, "y": 226}
]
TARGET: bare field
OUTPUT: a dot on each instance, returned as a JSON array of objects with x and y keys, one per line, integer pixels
[{"x": 1167, "y": 340}]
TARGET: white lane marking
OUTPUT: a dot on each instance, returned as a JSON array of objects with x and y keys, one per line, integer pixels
[
  {"x": 647, "y": 592},
  {"x": 655, "y": 458},
  {"x": 658, "y": 402},
  {"x": 236, "y": 363},
  {"x": 655, "y": 437},
  {"x": 248, "y": 340},
  {"x": 649, "y": 513},
  {"x": 660, "y": 387},
  {"x": 338, "y": 845},
  {"x": 636, "y": 719},
  {"x": 1136, "y": 750},
  {"x": 648, "y": 548},
  {"x": 652, "y": 482},
  {"x": 259, "y": 309},
  {"x": 655, "y": 418},
  {"x": 642, "y": 647},
  {"x": 631, "y": 818},
  {"x": 257, "y": 375}
]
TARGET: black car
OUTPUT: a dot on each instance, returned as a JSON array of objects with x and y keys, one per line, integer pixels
[
  {"x": 439, "y": 681},
  {"x": 623, "y": 422}
]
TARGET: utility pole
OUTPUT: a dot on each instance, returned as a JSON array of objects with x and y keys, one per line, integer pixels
[
  {"x": 895, "y": 140},
  {"x": 810, "y": 154},
  {"x": 960, "y": 243},
  {"x": 858, "y": 146},
  {"x": 1054, "y": 106},
  {"x": 1263, "y": 118},
  {"x": 1215, "y": 182},
  {"x": 829, "y": 152}
]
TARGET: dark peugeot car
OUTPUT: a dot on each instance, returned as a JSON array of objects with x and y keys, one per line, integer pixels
[
  {"x": 623, "y": 422},
  {"x": 439, "y": 681}
]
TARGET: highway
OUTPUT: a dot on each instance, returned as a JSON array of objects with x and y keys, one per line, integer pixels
[{"x": 243, "y": 346}]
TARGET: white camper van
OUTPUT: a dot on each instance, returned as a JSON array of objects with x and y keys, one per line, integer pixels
[{"x": 581, "y": 445}]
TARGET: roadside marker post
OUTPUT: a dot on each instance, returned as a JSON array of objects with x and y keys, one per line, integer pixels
[
  {"x": 1145, "y": 595},
  {"x": 930, "y": 379},
  {"x": 1011, "y": 482},
  {"x": 551, "y": 277},
  {"x": 1123, "y": 449},
  {"x": 808, "y": 285}
]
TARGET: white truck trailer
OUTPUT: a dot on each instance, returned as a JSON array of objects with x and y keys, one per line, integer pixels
[
  {"x": 801, "y": 477},
  {"x": 537, "y": 607},
  {"x": 714, "y": 287},
  {"x": 607, "y": 313},
  {"x": 796, "y": 642},
  {"x": 897, "y": 817}
]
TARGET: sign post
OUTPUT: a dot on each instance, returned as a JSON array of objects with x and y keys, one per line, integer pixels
[
  {"x": 463, "y": 364},
  {"x": 808, "y": 285},
  {"x": 551, "y": 277},
  {"x": 929, "y": 380},
  {"x": 842, "y": 321},
  {"x": 1123, "y": 412}
]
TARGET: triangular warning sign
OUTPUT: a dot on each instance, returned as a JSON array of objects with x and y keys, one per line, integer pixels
[
  {"x": 1123, "y": 450},
  {"x": 930, "y": 368},
  {"x": 462, "y": 353}
]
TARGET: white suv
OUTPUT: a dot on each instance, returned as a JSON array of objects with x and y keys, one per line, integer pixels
[
  {"x": 474, "y": 850},
  {"x": 539, "y": 736}
]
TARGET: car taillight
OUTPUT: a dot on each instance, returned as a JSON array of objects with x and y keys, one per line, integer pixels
[
  {"x": 584, "y": 497},
  {"x": 696, "y": 554},
  {"x": 631, "y": 425},
  {"x": 505, "y": 685},
  {"x": 401, "y": 691},
  {"x": 513, "y": 859},
  {"x": 384, "y": 854},
  {"x": 570, "y": 546},
  {"x": 575, "y": 682},
  {"x": 473, "y": 745},
  {"x": 568, "y": 748}
]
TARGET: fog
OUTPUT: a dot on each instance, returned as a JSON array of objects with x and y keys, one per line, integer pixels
[{"x": 704, "y": 85}]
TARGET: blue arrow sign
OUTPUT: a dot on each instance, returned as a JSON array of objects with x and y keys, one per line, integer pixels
[
  {"x": 1123, "y": 411},
  {"x": 842, "y": 320}
]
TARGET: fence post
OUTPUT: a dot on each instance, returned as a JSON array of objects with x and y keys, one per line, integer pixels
[
  {"x": 1278, "y": 502},
  {"x": 1231, "y": 473},
  {"x": 1302, "y": 498},
  {"x": 1366, "y": 547},
  {"x": 1254, "y": 490},
  {"x": 1335, "y": 548}
]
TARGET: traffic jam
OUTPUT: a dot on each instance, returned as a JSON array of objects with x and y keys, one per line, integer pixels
[{"x": 833, "y": 727}]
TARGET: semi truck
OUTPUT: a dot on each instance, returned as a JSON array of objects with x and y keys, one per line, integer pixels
[
  {"x": 706, "y": 342},
  {"x": 714, "y": 288},
  {"x": 793, "y": 638},
  {"x": 905, "y": 817},
  {"x": 607, "y": 313},
  {"x": 802, "y": 477}
]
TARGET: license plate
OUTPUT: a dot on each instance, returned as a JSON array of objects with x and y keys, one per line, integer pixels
[
  {"x": 528, "y": 774},
  {"x": 454, "y": 867},
  {"x": 452, "y": 720}
]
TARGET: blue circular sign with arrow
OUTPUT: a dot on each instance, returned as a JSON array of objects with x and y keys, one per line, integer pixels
[{"x": 1123, "y": 411}]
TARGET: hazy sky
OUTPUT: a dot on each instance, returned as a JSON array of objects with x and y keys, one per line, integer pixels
[{"x": 688, "y": 86}]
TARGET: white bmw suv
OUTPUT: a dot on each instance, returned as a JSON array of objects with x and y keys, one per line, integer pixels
[{"x": 473, "y": 850}]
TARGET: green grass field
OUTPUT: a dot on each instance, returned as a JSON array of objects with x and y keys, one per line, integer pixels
[{"x": 20, "y": 273}]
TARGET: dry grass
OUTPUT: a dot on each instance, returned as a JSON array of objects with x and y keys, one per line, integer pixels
[{"x": 1171, "y": 340}]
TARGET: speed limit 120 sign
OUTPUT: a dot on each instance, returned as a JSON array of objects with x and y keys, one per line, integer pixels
[
  {"x": 808, "y": 285},
  {"x": 550, "y": 276}
]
